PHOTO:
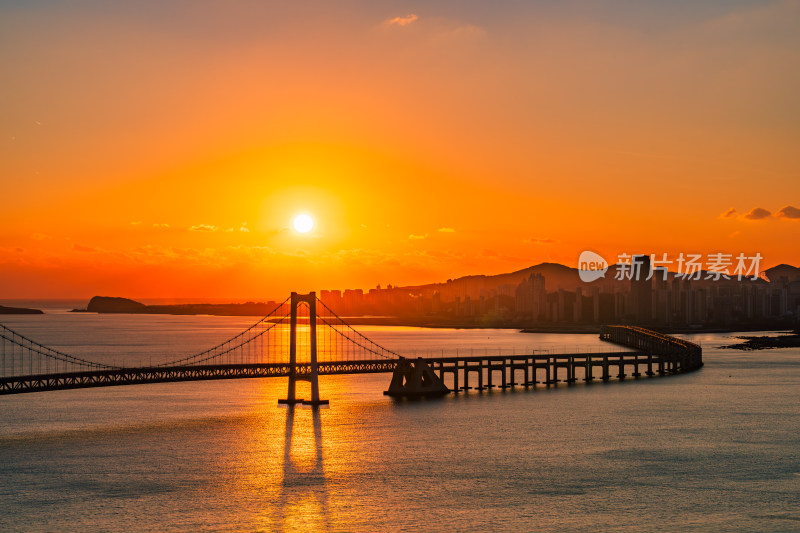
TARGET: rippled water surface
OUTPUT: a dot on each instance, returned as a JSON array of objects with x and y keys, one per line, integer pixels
[{"x": 717, "y": 449}]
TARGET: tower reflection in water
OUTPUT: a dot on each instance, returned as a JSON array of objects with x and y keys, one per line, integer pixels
[{"x": 303, "y": 494}]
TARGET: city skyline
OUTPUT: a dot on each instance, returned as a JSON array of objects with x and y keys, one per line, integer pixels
[{"x": 547, "y": 295}]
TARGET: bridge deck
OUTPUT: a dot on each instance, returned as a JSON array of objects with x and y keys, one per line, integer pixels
[{"x": 144, "y": 375}]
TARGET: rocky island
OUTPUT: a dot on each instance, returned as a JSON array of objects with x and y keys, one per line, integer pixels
[
  {"x": 791, "y": 340},
  {"x": 19, "y": 311},
  {"x": 113, "y": 304}
]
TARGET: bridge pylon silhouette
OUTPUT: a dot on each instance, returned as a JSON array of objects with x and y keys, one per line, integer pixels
[{"x": 295, "y": 301}]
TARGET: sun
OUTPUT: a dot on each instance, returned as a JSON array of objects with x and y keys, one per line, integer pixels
[{"x": 303, "y": 223}]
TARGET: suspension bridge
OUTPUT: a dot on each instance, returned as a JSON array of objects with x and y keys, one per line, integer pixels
[{"x": 302, "y": 339}]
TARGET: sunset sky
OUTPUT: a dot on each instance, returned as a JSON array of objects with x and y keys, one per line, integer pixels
[{"x": 162, "y": 149}]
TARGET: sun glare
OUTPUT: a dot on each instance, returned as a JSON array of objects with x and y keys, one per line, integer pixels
[{"x": 303, "y": 223}]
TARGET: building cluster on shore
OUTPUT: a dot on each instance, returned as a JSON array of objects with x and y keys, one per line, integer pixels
[{"x": 553, "y": 294}]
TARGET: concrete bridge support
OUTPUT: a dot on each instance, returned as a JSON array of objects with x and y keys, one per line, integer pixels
[
  {"x": 416, "y": 380},
  {"x": 313, "y": 375}
]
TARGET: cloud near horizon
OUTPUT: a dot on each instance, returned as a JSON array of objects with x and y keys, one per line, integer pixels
[
  {"x": 203, "y": 227},
  {"x": 540, "y": 240},
  {"x": 403, "y": 21},
  {"x": 757, "y": 213},
  {"x": 788, "y": 211},
  {"x": 446, "y": 230},
  {"x": 417, "y": 237}
]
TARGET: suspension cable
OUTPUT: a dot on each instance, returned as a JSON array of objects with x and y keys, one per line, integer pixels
[{"x": 361, "y": 344}]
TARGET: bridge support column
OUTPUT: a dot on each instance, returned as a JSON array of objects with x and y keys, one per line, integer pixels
[
  {"x": 571, "y": 370},
  {"x": 636, "y": 363},
  {"x": 313, "y": 376},
  {"x": 588, "y": 377},
  {"x": 416, "y": 380}
]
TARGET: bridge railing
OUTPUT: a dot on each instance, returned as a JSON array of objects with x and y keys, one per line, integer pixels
[{"x": 685, "y": 355}]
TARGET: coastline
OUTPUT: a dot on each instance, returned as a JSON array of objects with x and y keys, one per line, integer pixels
[{"x": 428, "y": 322}]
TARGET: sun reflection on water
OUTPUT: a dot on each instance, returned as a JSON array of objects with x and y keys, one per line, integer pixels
[{"x": 293, "y": 494}]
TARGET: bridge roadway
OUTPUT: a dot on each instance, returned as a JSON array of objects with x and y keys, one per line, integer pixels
[{"x": 555, "y": 368}]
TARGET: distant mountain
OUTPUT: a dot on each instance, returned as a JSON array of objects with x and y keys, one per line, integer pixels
[
  {"x": 789, "y": 272},
  {"x": 556, "y": 276}
]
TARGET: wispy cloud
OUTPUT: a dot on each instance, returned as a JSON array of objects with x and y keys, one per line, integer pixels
[
  {"x": 41, "y": 237},
  {"x": 403, "y": 21},
  {"x": 757, "y": 213},
  {"x": 498, "y": 256},
  {"x": 160, "y": 225},
  {"x": 82, "y": 248},
  {"x": 788, "y": 211},
  {"x": 730, "y": 213},
  {"x": 413, "y": 237},
  {"x": 540, "y": 240},
  {"x": 203, "y": 227},
  {"x": 446, "y": 230}
]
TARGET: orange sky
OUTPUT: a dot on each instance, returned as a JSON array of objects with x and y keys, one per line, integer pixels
[{"x": 151, "y": 151}]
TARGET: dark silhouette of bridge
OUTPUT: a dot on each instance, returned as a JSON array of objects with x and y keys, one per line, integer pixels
[{"x": 303, "y": 339}]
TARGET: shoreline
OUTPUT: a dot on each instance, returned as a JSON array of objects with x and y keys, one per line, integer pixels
[{"x": 495, "y": 324}]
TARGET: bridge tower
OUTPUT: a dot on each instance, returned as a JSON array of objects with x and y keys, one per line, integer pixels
[{"x": 313, "y": 374}]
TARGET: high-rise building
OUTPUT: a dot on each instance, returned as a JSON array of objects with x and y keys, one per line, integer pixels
[{"x": 641, "y": 289}]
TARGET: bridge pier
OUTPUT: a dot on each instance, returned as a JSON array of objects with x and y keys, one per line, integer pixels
[
  {"x": 621, "y": 368},
  {"x": 524, "y": 368},
  {"x": 479, "y": 370},
  {"x": 547, "y": 367},
  {"x": 313, "y": 375},
  {"x": 530, "y": 372},
  {"x": 416, "y": 380},
  {"x": 636, "y": 372},
  {"x": 571, "y": 370},
  {"x": 587, "y": 370},
  {"x": 473, "y": 368}
]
